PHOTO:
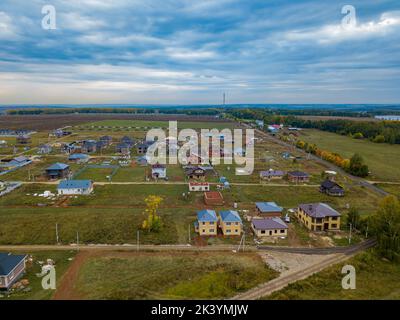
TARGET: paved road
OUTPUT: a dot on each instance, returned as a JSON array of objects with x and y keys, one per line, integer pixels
[
  {"x": 327, "y": 250},
  {"x": 282, "y": 281},
  {"x": 130, "y": 247},
  {"x": 327, "y": 164}
]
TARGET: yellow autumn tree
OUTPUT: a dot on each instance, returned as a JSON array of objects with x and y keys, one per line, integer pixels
[{"x": 153, "y": 220}]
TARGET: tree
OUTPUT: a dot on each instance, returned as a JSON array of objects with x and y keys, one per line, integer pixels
[
  {"x": 358, "y": 135},
  {"x": 153, "y": 221},
  {"x": 357, "y": 166},
  {"x": 386, "y": 228},
  {"x": 353, "y": 217}
]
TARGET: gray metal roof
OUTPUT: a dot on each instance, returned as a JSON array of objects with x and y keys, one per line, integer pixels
[
  {"x": 319, "y": 210},
  {"x": 269, "y": 223}
]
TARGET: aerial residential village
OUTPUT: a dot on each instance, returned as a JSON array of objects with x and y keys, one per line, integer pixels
[{"x": 289, "y": 199}]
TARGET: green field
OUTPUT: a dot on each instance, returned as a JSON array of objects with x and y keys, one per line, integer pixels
[
  {"x": 171, "y": 276},
  {"x": 62, "y": 261},
  {"x": 139, "y": 124},
  {"x": 375, "y": 279},
  {"x": 382, "y": 159},
  {"x": 114, "y": 213}
]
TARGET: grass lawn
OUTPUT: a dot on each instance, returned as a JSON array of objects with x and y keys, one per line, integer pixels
[
  {"x": 391, "y": 188},
  {"x": 382, "y": 159},
  {"x": 62, "y": 262},
  {"x": 171, "y": 275},
  {"x": 375, "y": 279}
]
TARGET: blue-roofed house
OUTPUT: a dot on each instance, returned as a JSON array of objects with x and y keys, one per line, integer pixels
[
  {"x": 206, "y": 224},
  {"x": 58, "y": 171},
  {"x": 230, "y": 223},
  {"x": 12, "y": 267},
  {"x": 75, "y": 187},
  {"x": 79, "y": 157},
  {"x": 269, "y": 227},
  {"x": 268, "y": 209}
]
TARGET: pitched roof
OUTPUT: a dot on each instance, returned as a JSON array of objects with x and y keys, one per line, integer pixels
[
  {"x": 298, "y": 174},
  {"x": 272, "y": 173},
  {"x": 58, "y": 166},
  {"x": 270, "y": 223},
  {"x": 319, "y": 210},
  {"x": 207, "y": 216},
  {"x": 329, "y": 184},
  {"x": 268, "y": 207},
  {"x": 230, "y": 216},
  {"x": 21, "y": 159},
  {"x": 78, "y": 156},
  {"x": 74, "y": 184},
  {"x": 8, "y": 262}
]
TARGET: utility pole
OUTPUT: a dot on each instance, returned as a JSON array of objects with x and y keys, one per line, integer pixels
[
  {"x": 366, "y": 232},
  {"x": 77, "y": 239},
  {"x": 137, "y": 240},
  {"x": 350, "y": 234},
  {"x": 189, "y": 235},
  {"x": 57, "y": 233}
]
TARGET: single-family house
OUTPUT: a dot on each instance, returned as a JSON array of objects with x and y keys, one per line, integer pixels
[
  {"x": 89, "y": 146},
  {"x": 158, "y": 171},
  {"x": 127, "y": 140},
  {"x": 142, "y": 161},
  {"x": 268, "y": 209},
  {"x": 318, "y": 217},
  {"x": 75, "y": 187},
  {"x": 142, "y": 148},
  {"x": 269, "y": 227},
  {"x": 123, "y": 148},
  {"x": 23, "y": 139},
  {"x": 331, "y": 188},
  {"x": 107, "y": 140},
  {"x": 199, "y": 186},
  {"x": 44, "y": 149},
  {"x": 213, "y": 198},
  {"x": 12, "y": 267},
  {"x": 207, "y": 223},
  {"x": 298, "y": 176},
  {"x": 57, "y": 171},
  {"x": 230, "y": 223},
  {"x": 195, "y": 172},
  {"x": 79, "y": 158},
  {"x": 272, "y": 175}
]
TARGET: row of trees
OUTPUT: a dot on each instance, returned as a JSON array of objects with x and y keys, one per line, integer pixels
[
  {"x": 376, "y": 131},
  {"x": 354, "y": 166}
]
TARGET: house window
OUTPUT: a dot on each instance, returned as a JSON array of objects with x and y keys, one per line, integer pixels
[
  {"x": 236, "y": 230},
  {"x": 228, "y": 230},
  {"x": 282, "y": 231},
  {"x": 211, "y": 230},
  {"x": 275, "y": 231},
  {"x": 334, "y": 218},
  {"x": 204, "y": 223},
  {"x": 204, "y": 231},
  {"x": 262, "y": 231},
  {"x": 228, "y": 223},
  {"x": 211, "y": 222},
  {"x": 270, "y": 233},
  {"x": 334, "y": 226}
]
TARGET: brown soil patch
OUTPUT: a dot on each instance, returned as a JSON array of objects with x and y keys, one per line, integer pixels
[{"x": 66, "y": 289}]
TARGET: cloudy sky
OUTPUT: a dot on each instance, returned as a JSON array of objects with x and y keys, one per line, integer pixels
[{"x": 190, "y": 52}]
